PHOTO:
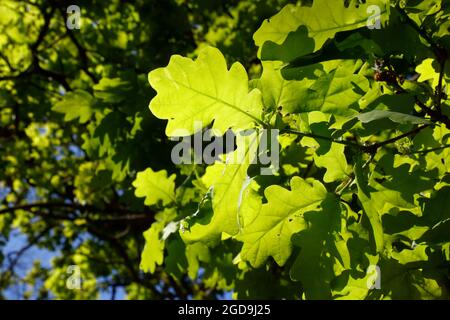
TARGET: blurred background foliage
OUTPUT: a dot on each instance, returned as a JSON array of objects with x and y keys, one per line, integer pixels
[{"x": 65, "y": 172}]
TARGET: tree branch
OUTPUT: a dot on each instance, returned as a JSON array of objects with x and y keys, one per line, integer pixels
[
  {"x": 425, "y": 151},
  {"x": 395, "y": 139},
  {"x": 128, "y": 215},
  {"x": 81, "y": 50},
  {"x": 372, "y": 148}
]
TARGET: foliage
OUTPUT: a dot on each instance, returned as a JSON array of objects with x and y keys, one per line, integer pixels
[{"x": 358, "y": 193}]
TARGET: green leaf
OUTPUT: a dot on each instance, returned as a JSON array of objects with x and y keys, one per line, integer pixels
[
  {"x": 281, "y": 217},
  {"x": 155, "y": 187},
  {"x": 203, "y": 91},
  {"x": 322, "y": 21},
  {"x": 78, "y": 104},
  {"x": 153, "y": 253},
  {"x": 396, "y": 117}
]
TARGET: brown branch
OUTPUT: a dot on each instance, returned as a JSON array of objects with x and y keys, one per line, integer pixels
[
  {"x": 82, "y": 52},
  {"x": 35, "y": 68},
  {"x": 127, "y": 215}
]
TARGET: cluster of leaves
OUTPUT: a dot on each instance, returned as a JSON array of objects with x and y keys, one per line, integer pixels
[
  {"x": 363, "y": 116},
  {"x": 75, "y": 130}
]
